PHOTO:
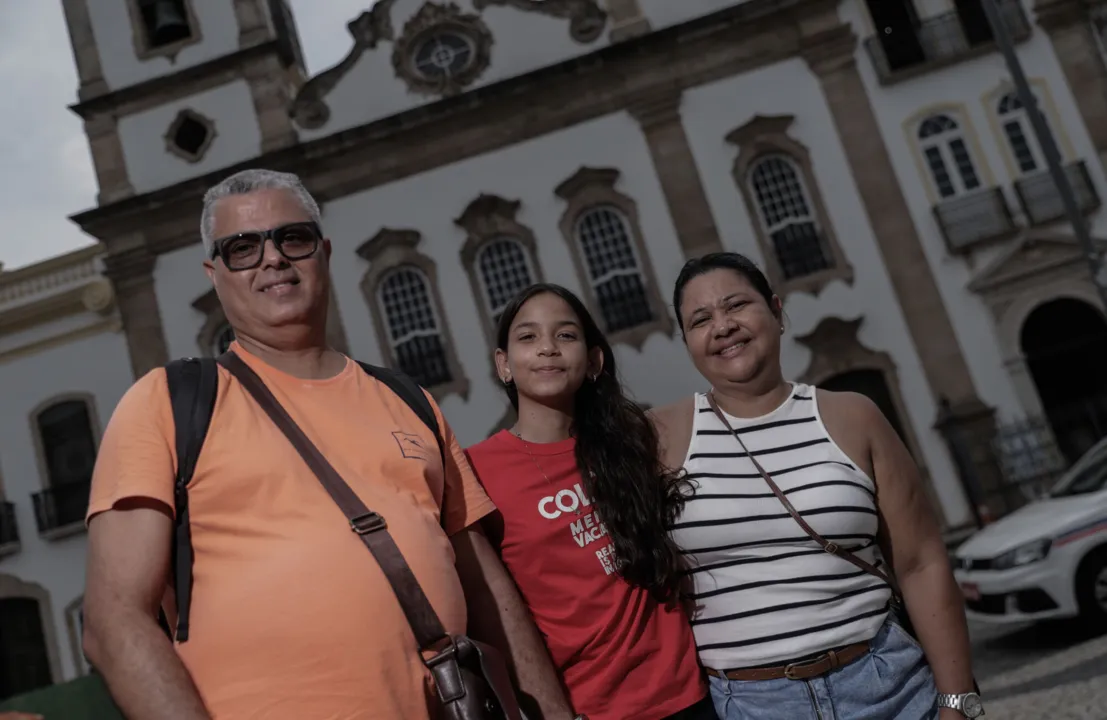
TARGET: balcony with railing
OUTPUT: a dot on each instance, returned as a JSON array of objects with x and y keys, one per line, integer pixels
[
  {"x": 1040, "y": 200},
  {"x": 969, "y": 220},
  {"x": 9, "y": 531},
  {"x": 939, "y": 41},
  {"x": 60, "y": 510}
]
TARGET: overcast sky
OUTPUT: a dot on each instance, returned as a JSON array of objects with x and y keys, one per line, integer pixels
[{"x": 45, "y": 171}]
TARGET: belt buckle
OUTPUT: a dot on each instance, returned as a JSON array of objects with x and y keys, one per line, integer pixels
[{"x": 790, "y": 668}]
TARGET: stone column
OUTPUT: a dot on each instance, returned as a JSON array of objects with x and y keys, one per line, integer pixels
[
  {"x": 1070, "y": 29},
  {"x": 131, "y": 272},
  {"x": 627, "y": 20},
  {"x": 107, "y": 159},
  {"x": 86, "y": 54},
  {"x": 828, "y": 48},
  {"x": 676, "y": 169}
]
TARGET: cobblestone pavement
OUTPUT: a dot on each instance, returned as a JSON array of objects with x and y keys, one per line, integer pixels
[{"x": 1069, "y": 684}]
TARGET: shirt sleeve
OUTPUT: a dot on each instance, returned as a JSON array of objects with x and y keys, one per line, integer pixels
[
  {"x": 464, "y": 501},
  {"x": 137, "y": 457}
]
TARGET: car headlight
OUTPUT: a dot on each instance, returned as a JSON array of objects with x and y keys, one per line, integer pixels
[{"x": 1030, "y": 552}]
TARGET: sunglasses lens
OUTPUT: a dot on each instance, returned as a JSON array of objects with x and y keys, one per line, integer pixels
[
  {"x": 242, "y": 251},
  {"x": 297, "y": 241}
]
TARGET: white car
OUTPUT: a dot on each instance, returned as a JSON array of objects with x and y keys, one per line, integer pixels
[{"x": 1047, "y": 559}]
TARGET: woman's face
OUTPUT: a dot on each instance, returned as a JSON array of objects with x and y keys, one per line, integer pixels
[
  {"x": 547, "y": 356},
  {"x": 731, "y": 332}
]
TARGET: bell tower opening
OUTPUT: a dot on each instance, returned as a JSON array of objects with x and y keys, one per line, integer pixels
[{"x": 164, "y": 22}]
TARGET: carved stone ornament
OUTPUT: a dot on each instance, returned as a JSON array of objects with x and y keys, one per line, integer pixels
[
  {"x": 190, "y": 135},
  {"x": 586, "y": 18},
  {"x": 462, "y": 51},
  {"x": 309, "y": 109}
]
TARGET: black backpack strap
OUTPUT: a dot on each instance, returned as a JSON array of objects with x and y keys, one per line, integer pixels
[
  {"x": 411, "y": 393},
  {"x": 193, "y": 383}
]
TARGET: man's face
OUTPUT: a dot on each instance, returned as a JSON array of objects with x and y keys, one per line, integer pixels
[{"x": 276, "y": 292}]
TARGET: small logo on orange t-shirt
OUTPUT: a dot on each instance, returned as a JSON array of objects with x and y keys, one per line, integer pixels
[{"x": 412, "y": 446}]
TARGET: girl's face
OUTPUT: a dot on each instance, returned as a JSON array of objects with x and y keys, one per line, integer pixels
[
  {"x": 732, "y": 334},
  {"x": 547, "y": 356}
]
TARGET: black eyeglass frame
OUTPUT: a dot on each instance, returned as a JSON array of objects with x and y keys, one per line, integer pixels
[{"x": 276, "y": 235}]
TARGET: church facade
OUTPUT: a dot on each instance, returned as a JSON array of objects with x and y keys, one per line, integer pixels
[{"x": 871, "y": 155}]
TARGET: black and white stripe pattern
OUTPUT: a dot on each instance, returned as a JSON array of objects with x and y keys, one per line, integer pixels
[{"x": 765, "y": 591}]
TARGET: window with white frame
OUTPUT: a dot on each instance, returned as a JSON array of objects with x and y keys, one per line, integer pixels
[
  {"x": 947, "y": 156},
  {"x": 504, "y": 269},
  {"x": 603, "y": 234},
  {"x": 1019, "y": 132},
  {"x": 788, "y": 217},
  {"x": 413, "y": 330}
]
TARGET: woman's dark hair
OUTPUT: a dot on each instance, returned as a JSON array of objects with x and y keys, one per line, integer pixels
[
  {"x": 719, "y": 261},
  {"x": 636, "y": 496}
]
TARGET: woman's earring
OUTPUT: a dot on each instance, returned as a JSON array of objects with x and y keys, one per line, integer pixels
[{"x": 507, "y": 380}]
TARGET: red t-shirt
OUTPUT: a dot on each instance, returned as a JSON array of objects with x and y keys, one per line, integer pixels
[{"x": 620, "y": 654}]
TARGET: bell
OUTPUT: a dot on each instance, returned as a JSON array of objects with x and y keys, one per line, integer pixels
[{"x": 168, "y": 23}]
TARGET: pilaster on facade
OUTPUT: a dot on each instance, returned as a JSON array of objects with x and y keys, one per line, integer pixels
[
  {"x": 830, "y": 52},
  {"x": 658, "y": 114},
  {"x": 1072, "y": 34},
  {"x": 131, "y": 272}
]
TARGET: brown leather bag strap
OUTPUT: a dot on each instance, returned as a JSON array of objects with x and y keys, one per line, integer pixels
[
  {"x": 830, "y": 547},
  {"x": 370, "y": 527}
]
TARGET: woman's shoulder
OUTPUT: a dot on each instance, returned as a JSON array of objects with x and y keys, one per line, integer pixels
[
  {"x": 846, "y": 406},
  {"x": 674, "y": 429}
]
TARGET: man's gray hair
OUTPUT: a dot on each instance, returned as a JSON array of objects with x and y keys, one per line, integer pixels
[{"x": 248, "y": 181}]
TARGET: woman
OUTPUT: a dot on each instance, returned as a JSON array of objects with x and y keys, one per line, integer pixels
[
  {"x": 787, "y": 624},
  {"x": 584, "y": 509}
]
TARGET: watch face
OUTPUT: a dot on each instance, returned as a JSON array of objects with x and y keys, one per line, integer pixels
[{"x": 971, "y": 706}]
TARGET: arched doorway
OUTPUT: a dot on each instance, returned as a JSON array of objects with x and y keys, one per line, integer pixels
[
  {"x": 873, "y": 385},
  {"x": 24, "y": 658},
  {"x": 1064, "y": 342}
]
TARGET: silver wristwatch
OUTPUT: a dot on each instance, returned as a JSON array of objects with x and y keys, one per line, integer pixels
[{"x": 968, "y": 704}]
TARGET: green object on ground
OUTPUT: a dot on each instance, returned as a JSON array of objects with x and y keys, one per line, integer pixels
[{"x": 85, "y": 698}]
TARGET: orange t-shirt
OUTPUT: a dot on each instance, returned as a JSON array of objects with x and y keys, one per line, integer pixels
[{"x": 291, "y": 616}]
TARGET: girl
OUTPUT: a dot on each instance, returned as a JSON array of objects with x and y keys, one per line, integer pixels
[
  {"x": 584, "y": 510},
  {"x": 804, "y": 497}
]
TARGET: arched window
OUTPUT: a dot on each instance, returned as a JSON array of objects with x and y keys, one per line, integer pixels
[
  {"x": 67, "y": 441},
  {"x": 413, "y": 328},
  {"x": 504, "y": 269},
  {"x": 947, "y": 156},
  {"x": 787, "y": 216},
  {"x": 1019, "y": 132},
  {"x": 603, "y": 235}
]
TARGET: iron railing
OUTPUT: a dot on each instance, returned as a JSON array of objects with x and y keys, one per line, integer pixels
[{"x": 61, "y": 505}]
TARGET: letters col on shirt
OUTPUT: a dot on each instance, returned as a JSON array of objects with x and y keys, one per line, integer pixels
[{"x": 585, "y": 529}]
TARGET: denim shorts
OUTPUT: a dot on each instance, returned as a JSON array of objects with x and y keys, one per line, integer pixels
[{"x": 891, "y": 682}]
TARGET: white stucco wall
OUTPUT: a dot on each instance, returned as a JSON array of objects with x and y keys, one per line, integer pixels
[
  {"x": 114, "y": 34},
  {"x": 237, "y": 137},
  {"x": 663, "y": 13},
  {"x": 971, "y": 89},
  {"x": 712, "y": 111},
  {"x": 522, "y": 42},
  {"x": 179, "y": 280},
  {"x": 99, "y": 366}
]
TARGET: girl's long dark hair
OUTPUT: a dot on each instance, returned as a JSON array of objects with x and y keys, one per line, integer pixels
[{"x": 636, "y": 496}]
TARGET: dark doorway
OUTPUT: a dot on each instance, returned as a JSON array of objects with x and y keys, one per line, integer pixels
[
  {"x": 24, "y": 661},
  {"x": 1065, "y": 345},
  {"x": 871, "y": 384},
  {"x": 974, "y": 21},
  {"x": 897, "y": 27}
]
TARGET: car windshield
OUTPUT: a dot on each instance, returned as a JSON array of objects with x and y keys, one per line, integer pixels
[{"x": 1087, "y": 475}]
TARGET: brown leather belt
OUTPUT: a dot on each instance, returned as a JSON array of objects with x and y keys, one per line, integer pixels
[{"x": 802, "y": 670}]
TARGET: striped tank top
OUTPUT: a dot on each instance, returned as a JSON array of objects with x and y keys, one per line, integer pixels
[{"x": 765, "y": 592}]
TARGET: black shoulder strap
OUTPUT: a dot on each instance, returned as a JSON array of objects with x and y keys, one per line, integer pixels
[
  {"x": 411, "y": 393},
  {"x": 193, "y": 383}
]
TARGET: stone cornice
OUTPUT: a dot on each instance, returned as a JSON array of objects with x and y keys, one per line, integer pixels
[
  {"x": 195, "y": 78},
  {"x": 720, "y": 45}
]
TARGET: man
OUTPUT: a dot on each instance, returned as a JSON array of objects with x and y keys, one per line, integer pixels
[{"x": 291, "y": 617}]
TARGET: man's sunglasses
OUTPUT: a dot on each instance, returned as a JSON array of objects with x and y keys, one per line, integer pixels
[{"x": 244, "y": 251}]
